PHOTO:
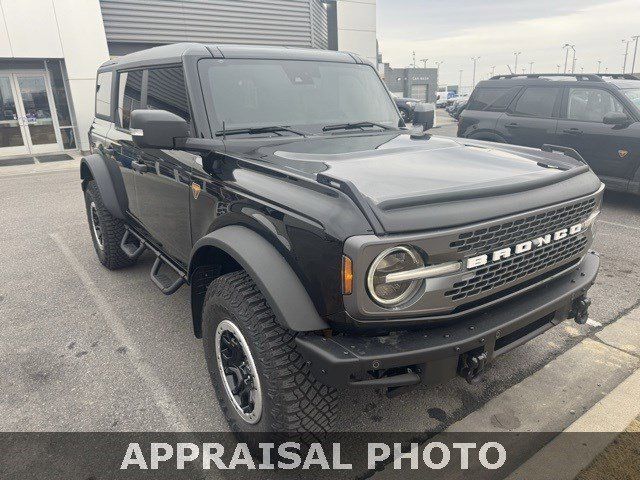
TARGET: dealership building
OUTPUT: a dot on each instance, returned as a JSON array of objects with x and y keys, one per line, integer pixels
[{"x": 50, "y": 50}]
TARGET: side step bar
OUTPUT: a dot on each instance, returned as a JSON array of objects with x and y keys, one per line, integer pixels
[
  {"x": 130, "y": 249},
  {"x": 164, "y": 282}
]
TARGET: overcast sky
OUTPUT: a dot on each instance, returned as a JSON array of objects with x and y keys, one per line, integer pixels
[{"x": 453, "y": 32}]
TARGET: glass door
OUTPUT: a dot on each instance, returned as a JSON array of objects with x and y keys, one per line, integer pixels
[
  {"x": 12, "y": 131},
  {"x": 38, "y": 112}
]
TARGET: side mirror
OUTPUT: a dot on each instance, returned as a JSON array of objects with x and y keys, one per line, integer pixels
[
  {"x": 157, "y": 128},
  {"x": 425, "y": 114},
  {"x": 616, "y": 118}
]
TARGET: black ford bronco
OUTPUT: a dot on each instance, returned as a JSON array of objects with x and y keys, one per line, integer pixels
[{"x": 325, "y": 245}]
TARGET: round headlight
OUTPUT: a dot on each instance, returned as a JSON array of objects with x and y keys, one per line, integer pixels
[{"x": 393, "y": 260}]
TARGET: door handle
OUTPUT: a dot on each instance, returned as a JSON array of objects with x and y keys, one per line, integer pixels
[
  {"x": 572, "y": 131},
  {"x": 512, "y": 125},
  {"x": 139, "y": 167}
]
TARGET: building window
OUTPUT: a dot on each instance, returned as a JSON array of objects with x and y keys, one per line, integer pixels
[{"x": 60, "y": 98}]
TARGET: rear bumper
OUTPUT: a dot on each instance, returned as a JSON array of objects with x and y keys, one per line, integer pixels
[{"x": 433, "y": 355}]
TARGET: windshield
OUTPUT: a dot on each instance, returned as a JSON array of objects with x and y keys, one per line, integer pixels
[
  {"x": 304, "y": 94},
  {"x": 634, "y": 95}
]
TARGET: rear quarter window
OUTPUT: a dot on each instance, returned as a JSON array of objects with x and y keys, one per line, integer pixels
[{"x": 493, "y": 99}]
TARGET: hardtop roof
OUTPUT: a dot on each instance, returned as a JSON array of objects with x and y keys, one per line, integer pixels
[{"x": 174, "y": 53}]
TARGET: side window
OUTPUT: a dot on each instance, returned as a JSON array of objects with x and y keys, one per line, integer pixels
[
  {"x": 591, "y": 104},
  {"x": 166, "y": 90},
  {"x": 129, "y": 95},
  {"x": 493, "y": 99},
  {"x": 537, "y": 102},
  {"x": 103, "y": 95}
]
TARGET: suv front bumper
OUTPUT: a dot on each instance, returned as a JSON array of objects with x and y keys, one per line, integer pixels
[{"x": 436, "y": 354}]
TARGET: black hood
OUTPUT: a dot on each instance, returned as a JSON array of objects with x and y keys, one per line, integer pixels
[{"x": 416, "y": 183}]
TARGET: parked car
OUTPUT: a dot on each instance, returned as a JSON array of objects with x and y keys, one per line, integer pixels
[
  {"x": 459, "y": 107},
  {"x": 597, "y": 116},
  {"x": 325, "y": 245},
  {"x": 453, "y": 102},
  {"x": 406, "y": 106},
  {"x": 455, "y": 99},
  {"x": 443, "y": 96}
]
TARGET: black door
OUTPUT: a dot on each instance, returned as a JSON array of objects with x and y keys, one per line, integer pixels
[
  {"x": 532, "y": 118},
  {"x": 163, "y": 187},
  {"x": 612, "y": 151},
  {"x": 129, "y": 95}
]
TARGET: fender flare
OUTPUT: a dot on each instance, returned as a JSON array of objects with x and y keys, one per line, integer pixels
[
  {"x": 109, "y": 181},
  {"x": 277, "y": 281}
]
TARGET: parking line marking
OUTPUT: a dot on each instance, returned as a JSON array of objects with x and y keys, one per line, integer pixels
[
  {"x": 619, "y": 225},
  {"x": 163, "y": 400}
]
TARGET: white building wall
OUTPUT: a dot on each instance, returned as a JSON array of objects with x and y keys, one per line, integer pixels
[
  {"x": 85, "y": 48},
  {"x": 68, "y": 29},
  {"x": 357, "y": 27}
]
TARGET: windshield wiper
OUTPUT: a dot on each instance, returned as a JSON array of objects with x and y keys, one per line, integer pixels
[
  {"x": 256, "y": 130},
  {"x": 351, "y": 126}
]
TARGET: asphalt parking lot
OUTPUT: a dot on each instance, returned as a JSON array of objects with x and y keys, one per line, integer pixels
[{"x": 87, "y": 349}]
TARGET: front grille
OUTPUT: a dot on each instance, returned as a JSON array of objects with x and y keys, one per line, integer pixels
[
  {"x": 511, "y": 233},
  {"x": 511, "y": 270}
]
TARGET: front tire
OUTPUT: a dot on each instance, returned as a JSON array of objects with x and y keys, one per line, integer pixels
[
  {"x": 106, "y": 230},
  {"x": 266, "y": 385}
]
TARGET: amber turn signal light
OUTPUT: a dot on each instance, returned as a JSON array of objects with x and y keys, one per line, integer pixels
[{"x": 347, "y": 275}]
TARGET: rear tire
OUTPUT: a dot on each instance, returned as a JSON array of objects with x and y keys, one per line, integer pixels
[
  {"x": 106, "y": 230},
  {"x": 285, "y": 396}
]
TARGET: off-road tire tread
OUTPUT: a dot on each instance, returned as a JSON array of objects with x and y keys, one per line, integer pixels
[
  {"x": 301, "y": 403},
  {"x": 112, "y": 231}
]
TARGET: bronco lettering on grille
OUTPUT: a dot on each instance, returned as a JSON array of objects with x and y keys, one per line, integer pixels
[{"x": 480, "y": 260}]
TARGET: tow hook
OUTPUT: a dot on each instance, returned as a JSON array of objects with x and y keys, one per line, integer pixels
[
  {"x": 580, "y": 310},
  {"x": 472, "y": 366}
]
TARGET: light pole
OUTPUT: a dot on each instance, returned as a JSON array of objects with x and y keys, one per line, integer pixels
[
  {"x": 438, "y": 71},
  {"x": 558, "y": 65},
  {"x": 424, "y": 63},
  {"x": 573, "y": 66},
  {"x": 635, "y": 51},
  {"x": 475, "y": 60},
  {"x": 626, "y": 53},
  {"x": 493, "y": 70},
  {"x": 460, "y": 83},
  {"x": 566, "y": 56},
  {"x": 515, "y": 66},
  {"x": 599, "y": 65},
  {"x": 414, "y": 59},
  {"x": 531, "y": 67}
]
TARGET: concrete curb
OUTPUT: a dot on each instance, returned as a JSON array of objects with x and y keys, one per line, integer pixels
[{"x": 610, "y": 415}]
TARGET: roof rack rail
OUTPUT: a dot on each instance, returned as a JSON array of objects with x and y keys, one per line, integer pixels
[
  {"x": 577, "y": 76},
  {"x": 620, "y": 76}
]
